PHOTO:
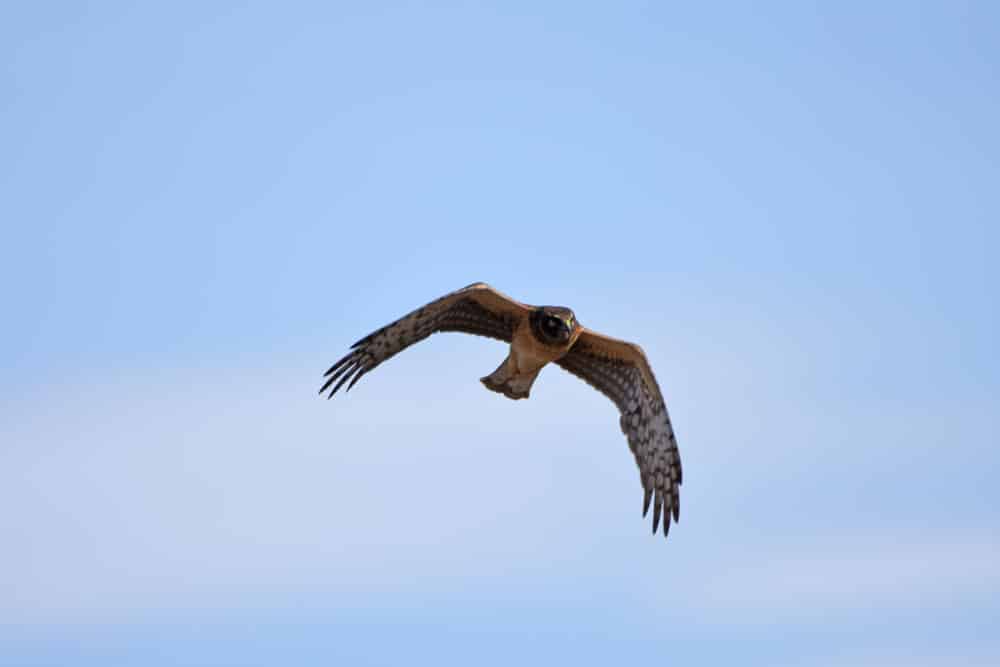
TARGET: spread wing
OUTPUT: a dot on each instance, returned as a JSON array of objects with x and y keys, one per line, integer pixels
[
  {"x": 619, "y": 370},
  {"x": 477, "y": 309}
]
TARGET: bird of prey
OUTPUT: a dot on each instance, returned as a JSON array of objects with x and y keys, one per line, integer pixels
[{"x": 539, "y": 335}]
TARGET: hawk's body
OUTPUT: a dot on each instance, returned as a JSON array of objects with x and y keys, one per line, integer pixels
[
  {"x": 539, "y": 335},
  {"x": 528, "y": 355}
]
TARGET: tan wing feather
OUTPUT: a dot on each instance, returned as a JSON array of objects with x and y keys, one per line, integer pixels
[
  {"x": 620, "y": 371},
  {"x": 477, "y": 309}
]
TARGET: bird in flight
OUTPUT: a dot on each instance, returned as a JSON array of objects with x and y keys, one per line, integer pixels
[{"x": 539, "y": 335}]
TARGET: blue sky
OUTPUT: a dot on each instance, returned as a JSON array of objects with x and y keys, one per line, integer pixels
[{"x": 792, "y": 207}]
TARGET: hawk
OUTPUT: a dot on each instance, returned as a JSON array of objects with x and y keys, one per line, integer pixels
[{"x": 539, "y": 335}]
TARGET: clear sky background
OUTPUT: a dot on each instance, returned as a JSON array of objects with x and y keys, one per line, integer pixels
[{"x": 793, "y": 207}]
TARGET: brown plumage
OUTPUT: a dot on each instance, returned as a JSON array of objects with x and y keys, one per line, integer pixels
[{"x": 539, "y": 335}]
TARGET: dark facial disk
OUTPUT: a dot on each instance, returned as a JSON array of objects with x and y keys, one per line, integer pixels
[{"x": 553, "y": 325}]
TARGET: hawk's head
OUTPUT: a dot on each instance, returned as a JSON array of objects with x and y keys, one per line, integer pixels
[{"x": 553, "y": 325}]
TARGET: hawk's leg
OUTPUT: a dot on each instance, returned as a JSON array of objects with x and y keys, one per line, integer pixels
[{"x": 510, "y": 382}]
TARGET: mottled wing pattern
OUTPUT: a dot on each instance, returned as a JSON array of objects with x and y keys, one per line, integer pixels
[
  {"x": 619, "y": 370},
  {"x": 477, "y": 309}
]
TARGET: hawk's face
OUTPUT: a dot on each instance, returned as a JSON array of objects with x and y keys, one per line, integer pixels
[{"x": 553, "y": 325}]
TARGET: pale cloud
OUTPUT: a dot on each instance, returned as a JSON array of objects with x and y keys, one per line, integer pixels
[
  {"x": 144, "y": 493},
  {"x": 857, "y": 573},
  {"x": 897, "y": 659}
]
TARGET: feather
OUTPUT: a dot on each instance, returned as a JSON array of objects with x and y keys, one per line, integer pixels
[{"x": 619, "y": 370}]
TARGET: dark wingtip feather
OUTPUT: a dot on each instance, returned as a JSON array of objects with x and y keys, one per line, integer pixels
[
  {"x": 657, "y": 509},
  {"x": 356, "y": 366},
  {"x": 647, "y": 495},
  {"x": 353, "y": 359},
  {"x": 677, "y": 507},
  {"x": 325, "y": 386},
  {"x": 344, "y": 359},
  {"x": 340, "y": 374},
  {"x": 666, "y": 525},
  {"x": 355, "y": 379}
]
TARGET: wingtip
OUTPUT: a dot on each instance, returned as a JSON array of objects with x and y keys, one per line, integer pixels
[
  {"x": 339, "y": 364},
  {"x": 355, "y": 379}
]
